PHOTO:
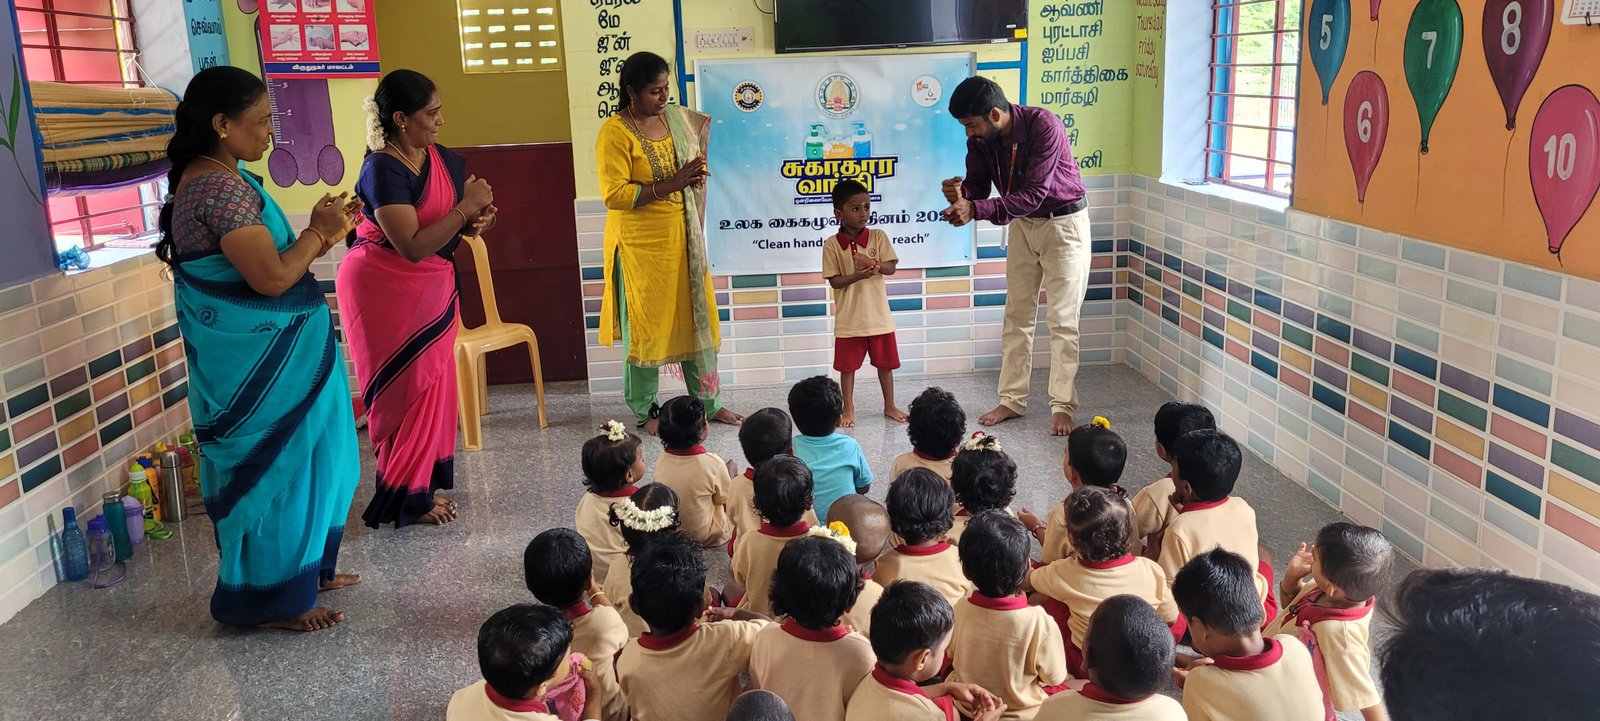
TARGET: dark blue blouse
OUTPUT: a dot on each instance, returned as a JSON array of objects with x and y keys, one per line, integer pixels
[{"x": 385, "y": 180}]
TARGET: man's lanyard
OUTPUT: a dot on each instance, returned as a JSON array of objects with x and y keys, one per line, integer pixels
[{"x": 1010, "y": 177}]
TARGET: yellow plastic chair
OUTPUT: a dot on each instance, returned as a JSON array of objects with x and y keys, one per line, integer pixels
[{"x": 472, "y": 344}]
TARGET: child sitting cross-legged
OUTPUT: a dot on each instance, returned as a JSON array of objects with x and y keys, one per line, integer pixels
[
  {"x": 919, "y": 513},
  {"x": 1209, "y": 516},
  {"x": 783, "y": 493},
  {"x": 1000, "y": 642},
  {"x": 1095, "y": 457},
  {"x": 647, "y": 516},
  {"x": 555, "y": 568},
  {"x": 1101, "y": 522},
  {"x": 935, "y": 426},
  {"x": 680, "y": 670},
  {"x": 1152, "y": 505},
  {"x": 913, "y": 625},
  {"x": 837, "y": 464},
  {"x": 868, "y": 525},
  {"x": 1249, "y": 677},
  {"x": 764, "y": 434},
  {"x": 698, "y": 476},
  {"x": 612, "y": 464},
  {"x": 1129, "y": 655},
  {"x": 523, "y": 652},
  {"x": 982, "y": 478},
  {"x": 813, "y": 661},
  {"x": 1332, "y": 611}
]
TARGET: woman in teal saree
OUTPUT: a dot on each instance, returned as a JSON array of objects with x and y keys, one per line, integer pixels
[{"x": 267, "y": 386}]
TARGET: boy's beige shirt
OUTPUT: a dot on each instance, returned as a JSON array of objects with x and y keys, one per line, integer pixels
[
  {"x": 593, "y": 521},
  {"x": 815, "y": 672},
  {"x": 1094, "y": 704},
  {"x": 755, "y": 557},
  {"x": 1345, "y": 646},
  {"x": 938, "y": 566},
  {"x": 862, "y": 308},
  {"x": 881, "y": 697},
  {"x": 1082, "y": 586},
  {"x": 859, "y": 616},
  {"x": 692, "y": 675},
  {"x": 909, "y": 460},
  {"x": 701, "y": 481},
  {"x": 1200, "y": 527},
  {"x": 598, "y": 633},
  {"x": 1152, "y": 507},
  {"x": 1276, "y": 685},
  {"x": 1010, "y": 648}
]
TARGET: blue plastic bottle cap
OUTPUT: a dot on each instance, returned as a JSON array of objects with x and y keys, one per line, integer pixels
[{"x": 69, "y": 516}]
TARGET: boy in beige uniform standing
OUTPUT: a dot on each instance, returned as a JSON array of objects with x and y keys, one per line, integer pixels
[{"x": 854, "y": 263}]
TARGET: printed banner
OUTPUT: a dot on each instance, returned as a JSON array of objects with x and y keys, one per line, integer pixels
[
  {"x": 784, "y": 131},
  {"x": 208, "y": 42},
  {"x": 319, "y": 39}
]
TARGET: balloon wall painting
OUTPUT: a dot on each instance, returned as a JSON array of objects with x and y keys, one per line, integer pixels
[
  {"x": 1374, "y": 7},
  {"x": 1515, "y": 35},
  {"x": 1366, "y": 126},
  {"x": 1330, "y": 37},
  {"x": 1432, "y": 55},
  {"x": 1564, "y": 160}
]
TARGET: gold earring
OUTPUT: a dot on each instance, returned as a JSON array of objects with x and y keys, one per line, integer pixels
[{"x": 224, "y": 135}]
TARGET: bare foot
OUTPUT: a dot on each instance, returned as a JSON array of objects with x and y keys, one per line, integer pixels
[
  {"x": 847, "y": 418},
  {"x": 729, "y": 417},
  {"x": 314, "y": 620},
  {"x": 440, "y": 515},
  {"x": 1060, "y": 423},
  {"x": 894, "y": 414},
  {"x": 651, "y": 425},
  {"x": 1000, "y": 414},
  {"x": 441, "y": 500},
  {"x": 340, "y": 580}
]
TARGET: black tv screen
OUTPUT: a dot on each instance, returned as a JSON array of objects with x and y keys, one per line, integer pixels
[{"x": 801, "y": 26}]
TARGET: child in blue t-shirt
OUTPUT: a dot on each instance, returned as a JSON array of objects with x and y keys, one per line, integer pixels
[{"x": 838, "y": 467}]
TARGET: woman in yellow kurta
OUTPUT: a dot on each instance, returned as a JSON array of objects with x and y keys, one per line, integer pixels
[{"x": 659, "y": 300}]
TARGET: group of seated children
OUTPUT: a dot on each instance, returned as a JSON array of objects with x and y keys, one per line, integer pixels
[{"x": 930, "y": 605}]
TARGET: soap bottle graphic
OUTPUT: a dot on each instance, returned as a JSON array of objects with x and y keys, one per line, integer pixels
[
  {"x": 863, "y": 141},
  {"x": 814, "y": 142}
]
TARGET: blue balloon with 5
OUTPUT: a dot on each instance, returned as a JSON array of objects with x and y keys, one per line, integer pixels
[{"x": 1329, "y": 29}]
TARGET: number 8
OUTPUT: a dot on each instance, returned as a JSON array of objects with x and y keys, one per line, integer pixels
[{"x": 1511, "y": 35}]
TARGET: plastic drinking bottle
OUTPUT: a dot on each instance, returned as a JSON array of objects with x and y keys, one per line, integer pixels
[
  {"x": 116, "y": 520},
  {"x": 74, "y": 548},
  {"x": 139, "y": 488},
  {"x": 134, "y": 511}
]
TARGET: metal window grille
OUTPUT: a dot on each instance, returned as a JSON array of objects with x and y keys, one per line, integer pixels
[
  {"x": 90, "y": 42},
  {"x": 509, "y": 36},
  {"x": 1255, "y": 71}
]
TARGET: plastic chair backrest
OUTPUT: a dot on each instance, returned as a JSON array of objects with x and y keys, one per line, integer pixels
[{"x": 480, "y": 262}]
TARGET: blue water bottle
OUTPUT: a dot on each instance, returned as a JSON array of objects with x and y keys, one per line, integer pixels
[{"x": 74, "y": 549}]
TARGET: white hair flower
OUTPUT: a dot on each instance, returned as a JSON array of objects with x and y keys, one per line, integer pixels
[
  {"x": 836, "y": 531},
  {"x": 981, "y": 441},
  {"x": 614, "y": 431},
  {"x": 638, "y": 519},
  {"x": 375, "y": 137}
]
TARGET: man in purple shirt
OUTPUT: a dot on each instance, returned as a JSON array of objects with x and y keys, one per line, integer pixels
[{"x": 1022, "y": 155}]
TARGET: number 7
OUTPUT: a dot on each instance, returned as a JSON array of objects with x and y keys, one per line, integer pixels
[{"x": 1432, "y": 37}]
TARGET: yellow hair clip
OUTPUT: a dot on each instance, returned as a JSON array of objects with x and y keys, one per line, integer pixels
[{"x": 1101, "y": 422}]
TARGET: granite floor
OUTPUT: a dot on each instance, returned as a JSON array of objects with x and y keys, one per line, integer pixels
[{"x": 148, "y": 648}]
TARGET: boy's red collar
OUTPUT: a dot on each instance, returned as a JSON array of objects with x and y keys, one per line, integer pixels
[
  {"x": 750, "y": 473},
  {"x": 895, "y": 683},
  {"x": 860, "y": 240},
  {"x": 1270, "y": 653},
  {"x": 932, "y": 550},
  {"x": 1009, "y": 603},
  {"x": 577, "y": 610},
  {"x": 1122, "y": 560},
  {"x": 622, "y": 492},
  {"x": 662, "y": 643},
  {"x": 820, "y": 635},
  {"x": 695, "y": 451},
  {"x": 798, "y": 528},
  {"x": 519, "y": 705},
  {"x": 1202, "y": 505},
  {"x": 1095, "y": 693},
  {"x": 927, "y": 457}
]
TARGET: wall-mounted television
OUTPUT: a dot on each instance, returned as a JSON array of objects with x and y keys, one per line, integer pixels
[{"x": 801, "y": 26}]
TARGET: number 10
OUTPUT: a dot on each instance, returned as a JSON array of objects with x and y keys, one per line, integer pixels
[{"x": 1563, "y": 156}]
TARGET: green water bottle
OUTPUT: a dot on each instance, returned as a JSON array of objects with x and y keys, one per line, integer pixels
[{"x": 116, "y": 519}]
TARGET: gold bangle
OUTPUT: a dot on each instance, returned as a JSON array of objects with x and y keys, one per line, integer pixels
[
  {"x": 593, "y": 595},
  {"x": 653, "y": 191},
  {"x": 465, "y": 221},
  {"x": 319, "y": 235}
]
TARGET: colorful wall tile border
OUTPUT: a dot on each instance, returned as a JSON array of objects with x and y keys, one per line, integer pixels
[
  {"x": 93, "y": 373},
  {"x": 1443, "y": 396}
]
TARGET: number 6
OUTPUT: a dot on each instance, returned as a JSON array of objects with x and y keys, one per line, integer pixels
[{"x": 1364, "y": 121}]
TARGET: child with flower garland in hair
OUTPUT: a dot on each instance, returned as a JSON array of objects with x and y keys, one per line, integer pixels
[
  {"x": 813, "y": 660},
  {"x": 914, "y": 625},
  {"x": 612, "y": 464},
  {"x": 1152, "y": 505},
  {"x": 763, "y": 435},
  {"x": 935, "y": 426},
  {"x": 1000, "y": 642},
  {"x": 982, "y": 478},
  {"x": 1100, "y": 521},
  {"x": 783, "y": 493},
  {"x": 919, "y": 513},
  {"x": 647, "y": 516},
  {"x": 555, "y": 567},
  {"x": 699, "y": 477},
  {"x": 867, "y": 524},
  {"x": 1128, "y": 654},
  {"x": 1095, "y": 457}
]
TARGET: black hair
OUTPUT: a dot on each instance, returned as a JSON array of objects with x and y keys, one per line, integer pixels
[
  {"x": 1129, "y": 649},
  {"x": 637, "y": 73},
  {"x": 1534, "y": 644},
  {"x": 556, "y": 566},
  {"x": 994, "y": 553},
  {"x": 1209, "y": 462},
  {"x": 847, "y": 188},
  {"x": 910, "y": 616},
  {"x": 683, "y": 420},
  {"x": 1175, "y": 418},
  {"x": 764, "y": 434},
  {"x": 936, "y": 423},
  {"x": 606, "y": 462},
  {"x": 816, "y": 582},
  {"x": 669, "y": 582},
  {"x": 1355, "y": 558},
  {"x": 1097, "y": 453},
  {"x": 1218, "y": 587},
  {"x": 976, "y": 96},
  {"x": 224, "y": 90},
  {"x": 816, "y": 403},
  {"x": 647, "y": 498},
  {"x": 521, "y": 647},
  {"x": 404, "y": 92},
  {"x": 919, "y": 505},
  {"x": 983, "y": 479},
  {"x": 1100, "y": 522},
  {"x": 759, "y": 705},
  {"x": 783, "y": 488}
]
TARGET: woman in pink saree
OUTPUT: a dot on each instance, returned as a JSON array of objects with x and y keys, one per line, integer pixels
[{"x": 398, "y": 297}]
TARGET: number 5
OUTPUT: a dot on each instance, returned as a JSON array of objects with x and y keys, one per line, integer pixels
[
  {"x": 1433, "y": 39},
  {"x": 1327, "y": 32}
]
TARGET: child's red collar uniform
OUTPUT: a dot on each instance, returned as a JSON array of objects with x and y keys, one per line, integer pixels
[
  {"x": 661, "y": 643},
  {"x": 1202, "y": 505},
  {"x": 798, "y": 528},
  {"x": 1009, "y": 603},
  {"x": 895, "y": 683},
  {"x": 623, "y": 492},
  {"x": 1119, "y": 561},
  {"x": 1091, "y": 691},
  {"x": 859, "y": 240},
  {"x": 822, "y": 635},
  {"x": 577, "y": 610},
  {"x": 695, "y": 451},
  {"x": 927, "y": 457},
  {"x": 934, "y": 549},
  {"x": 516, "y": 705},
  {"x": 1271, "y": 653}
]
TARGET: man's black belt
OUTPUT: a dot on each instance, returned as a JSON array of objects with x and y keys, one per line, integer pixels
[{"x": 1070, "y": 208}]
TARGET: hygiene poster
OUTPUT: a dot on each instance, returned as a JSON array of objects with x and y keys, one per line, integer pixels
[
  {"x": 319, "y": 39},
  {"x": 785, "y": 130}
]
